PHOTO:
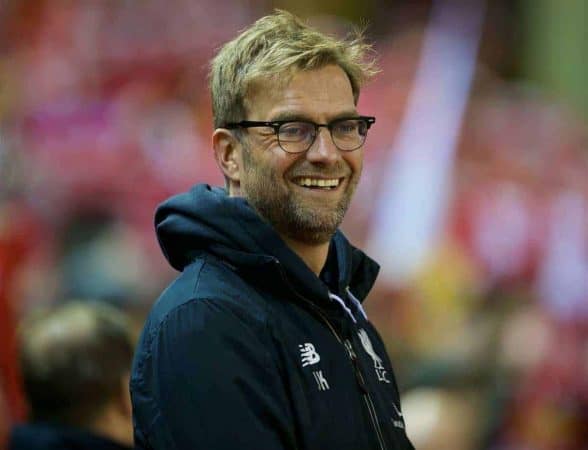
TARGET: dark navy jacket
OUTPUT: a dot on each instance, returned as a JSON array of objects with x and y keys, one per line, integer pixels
[
  {"x": 249, "y": 349},
  {"x": 45, "y": 436}
]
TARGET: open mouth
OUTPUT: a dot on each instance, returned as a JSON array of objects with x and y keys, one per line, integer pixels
[{"x": 318, "y": 183}]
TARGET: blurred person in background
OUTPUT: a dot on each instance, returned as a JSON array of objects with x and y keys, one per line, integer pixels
[
  {"x": 262, "y": 341},
  {"x": 75, "y": 361}
]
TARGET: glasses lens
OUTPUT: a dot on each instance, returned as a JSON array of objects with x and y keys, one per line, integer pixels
[
  {"x": 296, "y": 137},
  {"x": 349, "y": 134}
]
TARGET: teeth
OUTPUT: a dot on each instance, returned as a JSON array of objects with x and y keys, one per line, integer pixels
[{"x": 310, "y": 182}]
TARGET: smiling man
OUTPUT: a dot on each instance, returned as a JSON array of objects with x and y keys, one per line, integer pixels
[{"x": 262, "y": 341}]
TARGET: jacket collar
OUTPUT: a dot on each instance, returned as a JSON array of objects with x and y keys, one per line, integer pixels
[
  {"x": 207, "y": 219},
  {"x": 346, "y": 268}
]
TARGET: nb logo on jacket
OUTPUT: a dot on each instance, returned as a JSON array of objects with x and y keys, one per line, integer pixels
[{"x": 308, "y": 354}]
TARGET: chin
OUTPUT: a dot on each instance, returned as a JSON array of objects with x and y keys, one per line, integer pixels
[
  {"x": 313, "y": 237},
  {"x": 315, "y": 230}
]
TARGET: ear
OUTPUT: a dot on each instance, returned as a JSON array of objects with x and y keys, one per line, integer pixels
[{"x": 227, "y": 152}]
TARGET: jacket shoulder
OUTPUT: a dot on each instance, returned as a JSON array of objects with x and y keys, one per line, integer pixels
[
  {"x": 207, "y": 279},
  {"x": 205, "y": 346}
]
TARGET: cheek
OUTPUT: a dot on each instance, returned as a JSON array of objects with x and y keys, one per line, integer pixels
[
  {"x": 270, "y": 162},
  {"x": 282, "y": 163},
  {"x": 260, "y": 167},
  {"x": 355, "y": 161}
]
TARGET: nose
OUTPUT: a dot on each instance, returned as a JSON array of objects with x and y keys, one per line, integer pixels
[{"x": 323, "y": 150}]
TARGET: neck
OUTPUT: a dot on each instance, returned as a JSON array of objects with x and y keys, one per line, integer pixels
[
  {"x": 114, "y": 426},
  {"x": 314, "y": 255}
]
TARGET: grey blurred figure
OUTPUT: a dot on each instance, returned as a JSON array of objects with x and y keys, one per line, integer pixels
[{"x": 75, "y": 360}]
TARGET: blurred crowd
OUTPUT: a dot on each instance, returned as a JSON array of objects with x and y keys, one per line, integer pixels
[{"x": 104, "y": 113}]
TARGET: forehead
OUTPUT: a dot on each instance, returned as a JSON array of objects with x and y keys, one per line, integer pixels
[{"x": 319, "y": 94}]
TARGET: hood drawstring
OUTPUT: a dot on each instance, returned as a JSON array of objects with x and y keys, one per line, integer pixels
[
  {"x": 354, "y": 300},
  {"x": 343, "y": 305}
]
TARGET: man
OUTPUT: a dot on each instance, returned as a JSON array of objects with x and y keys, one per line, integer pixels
[
  {"x": 75, "y": 362},
  {"x": 262, "y": 342}
]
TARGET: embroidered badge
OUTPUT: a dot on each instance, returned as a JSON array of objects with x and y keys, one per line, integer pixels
[{"x": 378, "y": 366}]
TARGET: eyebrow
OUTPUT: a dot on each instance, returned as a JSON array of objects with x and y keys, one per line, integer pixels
[{"x": 294, "y": 116}]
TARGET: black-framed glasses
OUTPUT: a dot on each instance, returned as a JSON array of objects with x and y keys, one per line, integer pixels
[{"x": 297, "y": 136}]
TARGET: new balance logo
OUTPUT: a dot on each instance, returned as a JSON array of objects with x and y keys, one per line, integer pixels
[
  {"x": 321, "y": 381},
  {"x": 397, "y": 410},
  {"x": 308, "y": 354},
  {"x": 398, "y": 423}
]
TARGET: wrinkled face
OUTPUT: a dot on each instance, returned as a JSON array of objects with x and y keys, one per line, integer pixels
[{"x": 275, "y": 182}]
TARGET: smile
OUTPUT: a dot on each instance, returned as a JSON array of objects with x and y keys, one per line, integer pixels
[{"x": 321, "y": 183}]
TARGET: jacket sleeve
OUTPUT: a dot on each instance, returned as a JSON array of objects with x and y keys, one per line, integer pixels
[{"x": 204, "y": 379}]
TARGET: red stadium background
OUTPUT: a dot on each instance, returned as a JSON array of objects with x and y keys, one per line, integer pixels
[{"x": 104, "y": 112}]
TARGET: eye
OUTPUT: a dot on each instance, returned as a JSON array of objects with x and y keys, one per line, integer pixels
[
  {"x": 346, "y": 127},
  {"x": 294, "y": 131}
]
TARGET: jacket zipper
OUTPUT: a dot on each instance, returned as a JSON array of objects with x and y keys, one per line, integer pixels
[
  {"x": 368, "y": 400},
  {"x": 358, "y": 375}
]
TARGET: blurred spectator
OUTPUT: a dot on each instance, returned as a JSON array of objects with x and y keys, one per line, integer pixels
[
  {"x": 441, "y": 419},
  {"x": 75, "y": 361}
]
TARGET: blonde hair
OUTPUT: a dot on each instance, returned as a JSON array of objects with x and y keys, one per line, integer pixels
[{"x": 278, "y": 45}]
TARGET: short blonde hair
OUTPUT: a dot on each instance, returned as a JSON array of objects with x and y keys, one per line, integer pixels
[{"x": 278, "y": 45}]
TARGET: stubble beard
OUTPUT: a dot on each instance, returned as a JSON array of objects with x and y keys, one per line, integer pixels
[{"x": 287, "y": 211}]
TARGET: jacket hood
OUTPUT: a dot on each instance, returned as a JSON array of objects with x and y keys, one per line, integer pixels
[{"x": 206, "y": 219}]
